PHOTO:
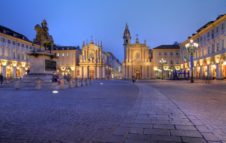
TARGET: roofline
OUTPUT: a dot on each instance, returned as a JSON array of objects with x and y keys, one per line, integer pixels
[{"x": 203, "y": 30}]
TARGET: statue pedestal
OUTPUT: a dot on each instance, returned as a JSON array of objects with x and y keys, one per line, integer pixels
[{"x": 42, "y": 68}]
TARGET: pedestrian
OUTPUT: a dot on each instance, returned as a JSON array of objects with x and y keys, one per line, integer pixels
[
  {"x": 133, "y": 79},
  {"x": 1, "y": 79}
]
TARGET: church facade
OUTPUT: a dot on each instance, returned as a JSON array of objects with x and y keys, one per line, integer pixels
[
  {"x": 91, "y": 62},
  {"x": 137, "y": 60}
]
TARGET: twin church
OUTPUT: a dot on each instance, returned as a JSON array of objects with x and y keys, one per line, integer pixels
[{"x": 137, "y": 58}]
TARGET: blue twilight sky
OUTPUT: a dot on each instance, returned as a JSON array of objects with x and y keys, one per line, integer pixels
[{"x": 73, "y": 21}]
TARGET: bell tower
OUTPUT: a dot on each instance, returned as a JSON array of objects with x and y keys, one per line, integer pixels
[{"x": 126, "y": 38}]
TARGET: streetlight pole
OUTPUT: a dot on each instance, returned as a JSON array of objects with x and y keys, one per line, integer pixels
[
  {"x": 162, "y": 61},
  {"x": 191, "y": 48}
]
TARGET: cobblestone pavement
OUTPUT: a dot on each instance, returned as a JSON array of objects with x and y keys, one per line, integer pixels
[
  {"x": 203, "y": 103},
  {"x": 115, "y": 111}
]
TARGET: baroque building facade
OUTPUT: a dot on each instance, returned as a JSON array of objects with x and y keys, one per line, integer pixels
[
  {"x": 170, "y": 54},
  {"x": 210, "y": 57},
  {"x": 136, "y": 58},
  {"x": 91, "y": 62},
  {"x": 67, "y": 60},
  {"x": 14, "y": 62}
]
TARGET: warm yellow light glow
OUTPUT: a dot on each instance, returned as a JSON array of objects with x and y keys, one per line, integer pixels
[
  {"x": 208, "y": 62},
  {"x": 177, "y": 67},
  {"x": 213, "y": 66},
  {"x": 224, "y": 63},
  {"x": 14, "y": 63},
  {"x": 23, "y": 64},
  {"x": 155, "y": 68},
  {"x": 4, "y": 62},
  {"x": 63, "y": 68},
  {"x": 72, "y": 68},
  {"x": 166, "y": 67}
]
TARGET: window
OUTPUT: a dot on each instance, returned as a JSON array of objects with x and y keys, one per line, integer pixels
[
  {"x": 160, "y": 53},
  {"x": 218, "y": 46},
  {"x": 9, "y": 41},
  {"x": 171, "y": 53},
  {"x": 67, "y": 54},
  {"x": 222, "y": 27},
  {"x": 62, "y": 54},
  {"x": 222, "y": 44},
  {"x": 14, "y": 43},
  {"x": 212, "y": 35},
  {"x": 171, "y": 61},
  {"x": 177, "y": 53},
  {"x": 22, "y": 45},
  {"x": 216, "y": 29},
  {"x": 58, "y": 54},
  {"x": 165, "y": 53},
  {"x": 137, "y": 56},
  {"x": 209, "y": 50},
  {"x": 213, "y": 50}
]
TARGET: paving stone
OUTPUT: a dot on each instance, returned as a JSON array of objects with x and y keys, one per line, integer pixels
[
  {"x": 163, "y": 132},
  {"x": 202, "y": 128},
  {"x": 187, "y": 133},
  {"x": 210, "y": 136},
  {"x": 116, "y": 139},
  {"x": 137, "y": 138},
  {"x": 165, "y": 138},
  {"x": 136, "y": 130},
  {"x": 193, "y": 140},
  {"x": 121, "y": 131},
  {"x": 163, "y": 126},
  {"x": 185, "y": 127}
]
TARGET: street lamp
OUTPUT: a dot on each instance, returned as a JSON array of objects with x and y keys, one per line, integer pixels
[
  {"x": 162, "y": 61},
  {"x": 191, "y": 48}
]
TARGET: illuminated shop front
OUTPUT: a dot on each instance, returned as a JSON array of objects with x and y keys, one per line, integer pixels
[{"x": 13, "y": 69}]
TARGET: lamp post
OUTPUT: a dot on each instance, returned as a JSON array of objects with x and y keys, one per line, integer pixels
[
  {"x": 162, "y": 62},
  {"x": 191, "y": 48}
]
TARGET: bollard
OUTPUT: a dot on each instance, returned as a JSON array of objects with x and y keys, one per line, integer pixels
[
  {"x": 38, "y": 84},
  {"x": 62, "y": 84},
  {"x": 71, "y": 83},
  {"x": 82, "y": 82},
  {"x": 79, "y": 83},
  {"x": 76, "y": 82},
  {"x": 17, "y": 84}
]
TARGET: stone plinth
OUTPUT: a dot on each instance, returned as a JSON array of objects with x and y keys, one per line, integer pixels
[{"x": 42, "y": 68}]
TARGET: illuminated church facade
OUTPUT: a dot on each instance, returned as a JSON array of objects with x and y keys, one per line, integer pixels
[{"x": 137, "y": 58}]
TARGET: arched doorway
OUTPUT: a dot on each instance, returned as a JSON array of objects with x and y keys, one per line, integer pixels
[{"x": 137, "y": 73}]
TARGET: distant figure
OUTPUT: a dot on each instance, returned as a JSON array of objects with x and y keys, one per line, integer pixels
[
  {"x": 133, "y": 79},
  {"x": 28, "y": 71},
  {"x": 1, "y": 79}
]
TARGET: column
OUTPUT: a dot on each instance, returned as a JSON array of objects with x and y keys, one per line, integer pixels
[
  {"x": 22, "y": 72},
  {"x": 87, "y": 71},
  {"x": 14, "y": 72},
  {"x": 82, "y": 72},
  {"x": 4, "y": 71},
  {"x": 201, "y": 72},
  {"x": 103, "y": 72},
  {"x": 209, "y": 75},
  {"x": 98, "y": 72},
  {"x": 219, "y": 71},
  {"x": 130, "y": 72}
]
